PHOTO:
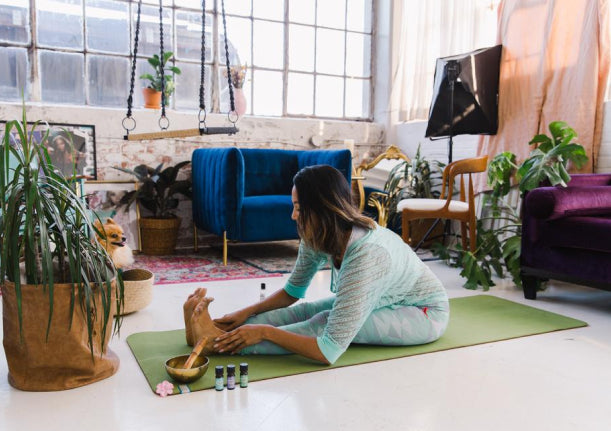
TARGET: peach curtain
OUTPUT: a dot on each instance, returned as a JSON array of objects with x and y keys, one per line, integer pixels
[{"x": 554, "y": 66}]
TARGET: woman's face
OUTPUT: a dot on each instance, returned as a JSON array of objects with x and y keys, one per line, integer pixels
[{"x": 295, "y": 199}]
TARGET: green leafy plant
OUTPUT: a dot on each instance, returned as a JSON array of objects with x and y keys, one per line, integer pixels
[
  {"x": 499, "y": 234},
  {"x": 157, "y": 188},
  {"x": 414, "y": 179},
  {"x": 46, "y": 232},
  {"x": 168, "y": 73}
]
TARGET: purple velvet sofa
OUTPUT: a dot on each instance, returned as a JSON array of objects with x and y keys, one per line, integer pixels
[{"x": 566, "y": 234}]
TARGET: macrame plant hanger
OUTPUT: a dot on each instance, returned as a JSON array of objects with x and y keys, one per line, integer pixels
[{"x": 129, "y": 123}]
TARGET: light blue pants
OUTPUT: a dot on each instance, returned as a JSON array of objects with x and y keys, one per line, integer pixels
[{"x": 387, "y": 326}]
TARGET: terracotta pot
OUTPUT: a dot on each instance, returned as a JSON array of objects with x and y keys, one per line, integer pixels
[
  {"x": 152, "y": 98},
  {"x": 63, "y": 360},
  {"x": 240, "y": 101},
  {"x": 158, "y": 235}
]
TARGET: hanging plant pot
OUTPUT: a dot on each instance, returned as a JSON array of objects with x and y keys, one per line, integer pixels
[
  {"x": 152, "y": 98},
  {"x": 158, "y": 235},
  {"x": 63, "y": 358}
]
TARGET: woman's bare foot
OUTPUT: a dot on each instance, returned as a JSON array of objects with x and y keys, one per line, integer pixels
[
  {"x": 203, "y": 326},
  {"x": 188, "y": 308}
]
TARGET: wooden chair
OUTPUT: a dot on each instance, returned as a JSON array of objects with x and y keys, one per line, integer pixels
[
  {"x": 376, "y": 198},
  {"x": 445, "y": 207}
]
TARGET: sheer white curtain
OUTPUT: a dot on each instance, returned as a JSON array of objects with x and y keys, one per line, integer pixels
[{"x": 424, "y": 31}]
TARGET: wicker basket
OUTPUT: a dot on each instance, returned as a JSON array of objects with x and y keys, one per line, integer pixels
[
  {"x": 138, "y": 289},
  {"x": 159, "y": 235}
]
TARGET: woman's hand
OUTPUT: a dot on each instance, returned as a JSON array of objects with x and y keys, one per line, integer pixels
[
  {"x": 234, "y": 341},
  {"x": 232, "y": 320}
]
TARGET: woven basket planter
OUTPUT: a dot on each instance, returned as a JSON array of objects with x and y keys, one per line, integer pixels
[
  {"x": 158, "y": 235},
  {"x": 138, "y": 289}
]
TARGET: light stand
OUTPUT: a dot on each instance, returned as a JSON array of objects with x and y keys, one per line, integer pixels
[{"x": 452, "y": 72}]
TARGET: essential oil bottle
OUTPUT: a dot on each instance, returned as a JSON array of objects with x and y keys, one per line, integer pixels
[
  {"x": 219, "y": 383},
  {"x": 243, "y": 375},
  {"x": 262, "y": 294},
  {"x": 230, "y": 376}
]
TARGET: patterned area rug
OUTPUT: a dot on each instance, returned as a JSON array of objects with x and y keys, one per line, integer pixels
[{"x": 245, "y": 261}]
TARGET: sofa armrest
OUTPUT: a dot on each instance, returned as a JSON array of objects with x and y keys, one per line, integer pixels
[
  {"x": 559, "y": 202},
  {"x": 218, "y": 190}
]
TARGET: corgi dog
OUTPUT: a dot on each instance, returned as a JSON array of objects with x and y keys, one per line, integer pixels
[{"x": 113, "y": 240}]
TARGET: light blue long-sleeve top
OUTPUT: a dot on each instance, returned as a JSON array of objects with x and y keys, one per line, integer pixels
[{"x": 378, "y": 270}]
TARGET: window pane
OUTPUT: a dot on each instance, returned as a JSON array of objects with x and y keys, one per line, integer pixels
[
  {"x": 14, "y": 73},
  {"x": 238, "y": 32},
  {"x": 330, "y": 51},
  {"x": 301, "y": 48},
  {"x": 359, "y": 15},
  {"x": 194, "y": 4},
  {"x": 15, "y": 22},
  {"x": 303, "y": 11},
  {"x": 236, "y": 7},
  {"x": 267, "y": 44},
  {"x": 60, "y": 29},
  {"x": 329, "y": 96},
  {"x": 108, "y": 80},
  {"x": 149, "y": 30},
  {"x": 142, "y": 66},
  {"x": 62, "y": 77},
  {"x": 107, "y": 26},
  {"x": 267, "y": 93},
  {"x": 187, "y": 87},
  {"x": 300, "y": 92},
  {"x": 358, "y": 55},
  {"x": 331, "y": 13},
  {"x": 357, "y": 98},
  {"x": 268, "y": 9},
  {"x": 189, "y": 36}
]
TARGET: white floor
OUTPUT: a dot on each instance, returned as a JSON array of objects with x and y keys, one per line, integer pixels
[{"x": 556, "y": 381}]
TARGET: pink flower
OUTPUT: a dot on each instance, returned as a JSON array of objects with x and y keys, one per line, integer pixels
[{"x": 165, "y": 388}]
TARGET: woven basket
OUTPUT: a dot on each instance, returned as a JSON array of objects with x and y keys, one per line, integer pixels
[
  {"x": 159, "y": 235},
  {"x": 138, "y": 289}
]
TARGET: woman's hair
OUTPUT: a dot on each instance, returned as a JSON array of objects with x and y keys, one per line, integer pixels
[{"x": 326, "y": 211}]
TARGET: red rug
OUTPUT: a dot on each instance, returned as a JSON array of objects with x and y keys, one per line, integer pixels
[{"x": 207, "y": 264}]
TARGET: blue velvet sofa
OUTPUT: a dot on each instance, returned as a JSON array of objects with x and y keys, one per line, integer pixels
[
  {"x": 245, "y": 194},
  {"x": 566, "y": 234}
]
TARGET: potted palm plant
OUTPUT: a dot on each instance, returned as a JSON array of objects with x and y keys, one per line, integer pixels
[
  {"x": 152, "y": 93},
  {"x": 157, "y": 192},
  {"x": 60, "y": 289}
]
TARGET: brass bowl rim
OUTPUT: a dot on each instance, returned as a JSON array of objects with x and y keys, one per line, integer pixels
[{"x": 196, "y": 372}]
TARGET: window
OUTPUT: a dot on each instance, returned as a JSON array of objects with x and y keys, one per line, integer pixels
[{"x": 305, "y": 58}]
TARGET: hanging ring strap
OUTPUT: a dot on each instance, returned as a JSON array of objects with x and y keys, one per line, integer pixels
[
  {"x": 229, "y": 83},
  {"x": 134, "y": 53},
  {"x": 202, "y": 121},
  {"x": 164, "y": 122},
  {"x": 233, "y": 116},
  {"x": 161, "y": 60},
  {"x": 202, "y": 91}
]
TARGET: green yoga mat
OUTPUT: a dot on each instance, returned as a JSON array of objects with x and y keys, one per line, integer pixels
[{"x": 473, "y": 320}]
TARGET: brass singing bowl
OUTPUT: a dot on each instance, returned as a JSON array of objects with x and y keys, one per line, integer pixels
[{"x": 174, "y": 368}]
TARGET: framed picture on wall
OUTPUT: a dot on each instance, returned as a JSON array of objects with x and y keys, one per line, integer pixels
[
  {"x": 103, "y": 198},
  {"x": 70, "y": 146}
]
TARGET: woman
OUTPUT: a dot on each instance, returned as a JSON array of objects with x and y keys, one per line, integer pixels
[{"x": 384, "y": 294}]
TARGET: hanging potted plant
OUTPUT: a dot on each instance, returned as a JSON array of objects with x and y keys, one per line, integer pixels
[
  {"x": 152, "y": 93},
  {"x": 60, "y": 289},
  {"x": 157, "y": 190}
]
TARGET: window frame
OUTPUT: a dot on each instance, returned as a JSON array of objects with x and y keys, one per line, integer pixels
[{"x": 213, "y": 9}]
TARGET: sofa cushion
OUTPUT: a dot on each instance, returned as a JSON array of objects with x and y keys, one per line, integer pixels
[
  {"x": 558, "y": 202},
  {"x": 267, "y": 218},
  {"x": 587, "y": 233},
  {"x": 269, "y": 172}
]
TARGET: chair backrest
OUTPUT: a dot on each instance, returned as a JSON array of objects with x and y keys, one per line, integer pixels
[
  {"x": 391, "y": 153},
  {"x": 461, "y": 167}
]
